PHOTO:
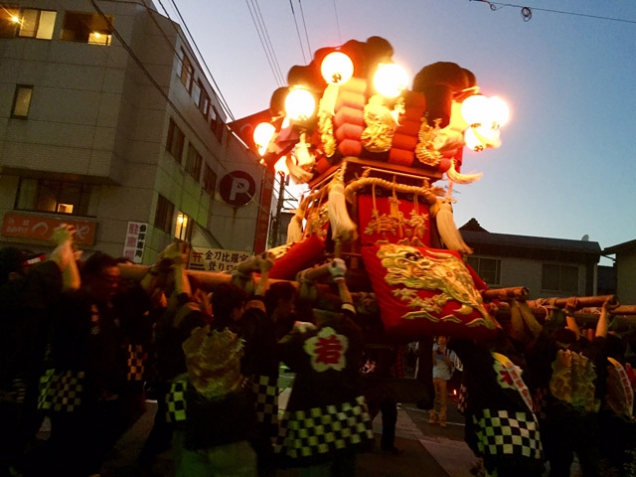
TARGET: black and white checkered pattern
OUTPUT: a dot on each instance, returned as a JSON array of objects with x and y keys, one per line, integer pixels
[
  {"x": 462, "y": 399},
  {"x": 15, "y": 393},
  {"x": 265, "y": 389},
  {"x": 507, "y": 433},
  {"x": 176, "y": 401},
  {"x": 136, "y": 362},
  {"x": 312, "y": 432},
  {"x": 61, "y": 391}
]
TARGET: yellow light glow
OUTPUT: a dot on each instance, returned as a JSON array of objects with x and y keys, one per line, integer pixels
[
  {"x": 498, "y": 111},
  {"x": 281, "y": 166},
  {"x": 97, "y": 35},
  {"x": 15, "y": 19},
  {"x": 472, "y": 142},
  {"x": 300, "y": 104},
  {"x": 475, "y": 109},
  {"x": 263, "y": 134},
  {"x": 390, "y": 80},
  {"x": 336, "y": 68}
]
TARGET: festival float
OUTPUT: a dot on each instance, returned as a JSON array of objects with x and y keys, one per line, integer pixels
[
  {"x": 379, "y": 161},
  {"x": 372, "y": 152}
]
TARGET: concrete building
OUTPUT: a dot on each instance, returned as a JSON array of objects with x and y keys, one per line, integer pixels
[
  {"x": 107, "y": 121},
  {"x": 548, "y": 267},
  {"x": 625, "y": 270}
]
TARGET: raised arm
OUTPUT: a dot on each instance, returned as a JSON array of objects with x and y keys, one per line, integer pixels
[
  {"x": 602, "y": 325},
  {"x": 64, "y": 256},
  {"x": 570, "y": 307},
  {"x": 266, "y": 262},
  {"x": 338, "y": 269}
]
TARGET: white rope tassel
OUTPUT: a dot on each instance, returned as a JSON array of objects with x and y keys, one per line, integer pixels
[
  {"x": 447, "y": 229},
  {"x": 295, "y": 229},
  {"x": 459, "y": 178},
  {"x": 342, "y": 227}
]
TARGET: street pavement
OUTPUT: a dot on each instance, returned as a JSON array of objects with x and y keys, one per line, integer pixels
[{"x": 428, "y": 449}]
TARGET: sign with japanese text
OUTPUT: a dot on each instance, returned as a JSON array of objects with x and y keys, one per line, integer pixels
[
  {"x": 41, "y": 228},
  {"x": 215, "y": 259},
  {"x": 136, "y": 234}
]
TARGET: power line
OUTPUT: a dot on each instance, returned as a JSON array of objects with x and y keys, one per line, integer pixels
[
  {"x": 196, "y": 47},
  {"x": 269, "y": 41},
  {"x": 337, "y": 22},
  {"x": 157, "y": 86},
  {"x": 526, "y": 12},
  {"x": 152, "y": 79},
  {"x": 302, "y": 14},
  {"x": 300, "y": 42},
  {"x": 263, "y": 36}
]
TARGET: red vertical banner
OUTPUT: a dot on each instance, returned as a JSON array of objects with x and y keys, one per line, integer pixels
[{"x": 264, "y": 209}]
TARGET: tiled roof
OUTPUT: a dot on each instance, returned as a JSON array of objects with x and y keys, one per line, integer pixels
[
  {"x": 522, "y": 241},
  {"x": 621, "y": 247}
]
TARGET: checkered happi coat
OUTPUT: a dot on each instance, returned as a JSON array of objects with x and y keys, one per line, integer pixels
[
  {"x": 313, "y": 433},
  {"x": 136, "y": 362},
  {"x": 60, "y": 391},
  {"x": 507, "y": 433},
  {"x": 176, "y": 401},
  {"x": 265, "y": 389}
]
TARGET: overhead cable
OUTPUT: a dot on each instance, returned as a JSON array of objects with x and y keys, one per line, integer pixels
[
  {"x": 263, "y": 36},
  {"x": 300, "y": 41}
]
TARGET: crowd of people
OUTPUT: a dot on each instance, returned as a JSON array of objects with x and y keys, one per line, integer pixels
[{"x": 82, "y": 346}]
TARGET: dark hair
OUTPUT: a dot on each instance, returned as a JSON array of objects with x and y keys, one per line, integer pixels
[
  {"x": 96, "y": 263},
  {"x": 227, "y": 297},
  {"x": 11, "y": 261},
  {"x": 278, "y": 291}
]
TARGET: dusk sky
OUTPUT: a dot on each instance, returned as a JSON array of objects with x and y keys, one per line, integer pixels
[{"x": 566, "y": 167}]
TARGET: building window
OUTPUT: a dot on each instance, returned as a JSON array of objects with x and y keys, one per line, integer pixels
[
  {"x": 488, "y": 269},
  {"x": 73, "y": 198},
  {"x": 164, "y": 214},
  {"x": 216, "y": 124},
  {"x": 186, "y": 70},
  {"x": 89, "y": 28},
  {"x": 36, "y": 24},
  {"x": 175, "y": 140},
  {"x": 183, "y": 230},
  {"x": 209, "y": 180},
  {"x": 22, "y": 101},
  {"x": 193, "y": 162},
  {"x": 560, "y": 278},
  {"x": 196, "y": 92},
  {"x": 204, "y": 106}
]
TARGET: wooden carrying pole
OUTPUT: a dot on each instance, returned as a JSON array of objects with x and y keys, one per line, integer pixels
[
  {"x": 506, "y": 294},
  {"x": 583, "y": 301}
]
